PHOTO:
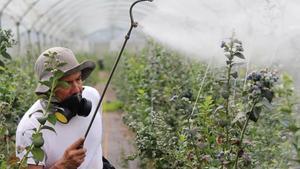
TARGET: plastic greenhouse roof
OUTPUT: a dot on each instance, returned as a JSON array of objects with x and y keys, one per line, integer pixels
[
  {"x": 269, "y": 30},
  {"x": 64, "y": 18}
]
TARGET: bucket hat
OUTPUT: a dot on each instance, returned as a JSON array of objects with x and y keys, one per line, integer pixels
[{"x": 71, "y": 66}]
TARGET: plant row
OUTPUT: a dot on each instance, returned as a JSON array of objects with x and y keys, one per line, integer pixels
[{"x": 189, "y": 114}]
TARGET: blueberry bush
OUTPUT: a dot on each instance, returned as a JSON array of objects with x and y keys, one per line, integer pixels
[{"x": 189, "y": 114}]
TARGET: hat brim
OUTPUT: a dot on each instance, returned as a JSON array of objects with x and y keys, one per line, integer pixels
[{"x": 86, "y": 69}]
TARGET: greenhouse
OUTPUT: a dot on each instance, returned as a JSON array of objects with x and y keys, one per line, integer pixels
[{"x": 149, "y": 84}]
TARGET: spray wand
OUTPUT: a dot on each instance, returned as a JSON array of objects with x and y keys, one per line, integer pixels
[{"x": 133, "y": 25}]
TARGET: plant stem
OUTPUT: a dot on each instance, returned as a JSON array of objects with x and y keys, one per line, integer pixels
[
  {"x": 30, "y": 148},
  {"x": 194, "y": 146},
  {"x": 230, "y": 60},
  {"x": 227, "y": 103},
  {"x": 51, "y": 94},
  {"x": 241, "y": 140},
  {"x": 242, "y": 137},
  {"x": 40, "y": 126},
  {"x": 25, "y": 156},
  {"x": 7, "y": 141}
]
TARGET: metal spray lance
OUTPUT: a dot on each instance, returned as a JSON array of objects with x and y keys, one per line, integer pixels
[{"x": 133, "y": 25}]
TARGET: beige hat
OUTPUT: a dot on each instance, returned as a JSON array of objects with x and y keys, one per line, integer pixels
[{"x": 72, "y": 66}]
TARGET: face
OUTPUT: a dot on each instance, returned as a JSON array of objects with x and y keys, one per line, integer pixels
[{"x": 75, "y": 86}]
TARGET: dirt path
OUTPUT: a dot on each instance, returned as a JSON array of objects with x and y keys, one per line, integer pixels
[{"x": 117, "y": 141}]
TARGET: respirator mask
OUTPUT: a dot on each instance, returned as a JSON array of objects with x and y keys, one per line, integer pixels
[{"x": 73, "y": 105}]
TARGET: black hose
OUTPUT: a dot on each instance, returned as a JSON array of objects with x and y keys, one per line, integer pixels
[{"x": 133, "y": 25}]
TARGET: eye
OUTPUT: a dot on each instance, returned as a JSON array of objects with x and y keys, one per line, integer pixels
[
  {"x": 69, "y": 82},
  {"x": 78, "y": 79}
]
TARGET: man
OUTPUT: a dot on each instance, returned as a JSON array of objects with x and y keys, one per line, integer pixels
[{"x": 65, "y": 148}]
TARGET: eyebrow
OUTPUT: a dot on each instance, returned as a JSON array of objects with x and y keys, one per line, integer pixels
[{"x": 76, "y": 78}]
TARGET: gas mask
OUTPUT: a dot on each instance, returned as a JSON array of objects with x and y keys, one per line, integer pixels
[{"x": 72, "y": 106}]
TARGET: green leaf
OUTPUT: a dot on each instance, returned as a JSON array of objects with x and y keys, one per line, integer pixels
[
  {"x": 2, "y": 63},
  {"x": 141, "y": 91},
  {"x": 51, "y": 80},
  {"x": 27, "y": 148},
  {"x": 43, "y": 96},
  {"x": 48, "y": 69},
  {"x": 2, "y": 68},
  {"x": 208, "y": 101},
  {"x": 223, "y": 123},
  {"x": 63, "y": 84},
  {"x": 2, "y": 131},
  {"x": 234, "y": 74},
  {"x": 52, "y": 119},
  {"x": 239, "y": 116},
  {"x": 225, "y": 94},
  {"x": 37, "y": 139},
  {"x": 286, "y": 109},
  {"x": 45, "y": 82},
  {"x": 229, "y": 62},
  {"x": 295, "y": 146},
  {"x": 33, "y": 129},
  {"x": 58, "y": 74},
  {"x": 48, "y": 128},
  {"x": 182, "y": 138},
  {"x": 229, "y": 57},
  {"x": 293, "y": 128},
  {"x": 38, "y": 153},
  {"x": 42, "y": 120},
  {"x": 254, "y": 114},
  {"x": 218, "y": 108},
  {"x": 239, "y": 55},
  {"x": 6, "y": 55},
  {"x": 268, "y": 94},
  {"x": 267, "y": 104},
  {"x": 3, "y": 165},
  {"x": 38, "y": 111}
]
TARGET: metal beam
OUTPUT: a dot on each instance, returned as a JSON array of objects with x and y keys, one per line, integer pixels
[
  {"x": 86, "y": 8},
  {"x": 45, "y": 13},
  {"x": 20, "y": 21},
  {"x": 68, "y": 20},
  {"x": 2, "y": 10}
]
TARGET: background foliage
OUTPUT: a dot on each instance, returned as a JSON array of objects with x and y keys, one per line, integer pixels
[{"x": 176, "y": 107}]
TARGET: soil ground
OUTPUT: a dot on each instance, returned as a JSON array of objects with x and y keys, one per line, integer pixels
[{"x": 118, "y": 140}]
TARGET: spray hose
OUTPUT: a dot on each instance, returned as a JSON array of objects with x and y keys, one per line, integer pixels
[{"x": 133, "y": 25}]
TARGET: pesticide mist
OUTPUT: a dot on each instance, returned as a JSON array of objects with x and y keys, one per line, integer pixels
[{"x": 269, "y": 29}]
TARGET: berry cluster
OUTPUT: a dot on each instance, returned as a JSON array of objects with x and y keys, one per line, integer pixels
[{"x": 261, "y": 84}]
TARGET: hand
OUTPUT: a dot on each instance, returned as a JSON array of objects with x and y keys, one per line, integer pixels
[{"x": 73, "y": 156}]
